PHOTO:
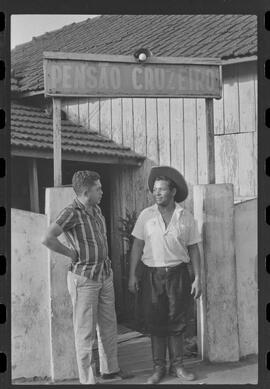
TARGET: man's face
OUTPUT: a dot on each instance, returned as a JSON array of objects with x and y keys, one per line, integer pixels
[
  {"x": 162, "y": 193},
  {"x": 94, "y": 193}
]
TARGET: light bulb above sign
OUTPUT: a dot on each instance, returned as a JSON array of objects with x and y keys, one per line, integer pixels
[{"x": 120, "y": 76}]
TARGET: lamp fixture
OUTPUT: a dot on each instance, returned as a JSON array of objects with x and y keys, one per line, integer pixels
[{"x": 141, "y": 55}]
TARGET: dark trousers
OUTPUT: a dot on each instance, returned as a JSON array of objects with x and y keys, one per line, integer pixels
[{"x": 163, "y": 300}]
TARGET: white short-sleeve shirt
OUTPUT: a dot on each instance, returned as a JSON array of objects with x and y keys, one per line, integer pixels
[{"x": 166, "y": 246}]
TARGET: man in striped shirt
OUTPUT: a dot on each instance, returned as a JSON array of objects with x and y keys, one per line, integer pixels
[{"x": 90, "y": 277}]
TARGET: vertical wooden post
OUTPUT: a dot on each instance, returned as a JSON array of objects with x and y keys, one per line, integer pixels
[
  {"x": 57, "y": 150},
  {"x": 33, "y": 185},
  {"x": 209, "y": 113}
]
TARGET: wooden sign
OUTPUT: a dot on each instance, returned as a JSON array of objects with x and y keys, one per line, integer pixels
[{"x": 88, "y": 75}]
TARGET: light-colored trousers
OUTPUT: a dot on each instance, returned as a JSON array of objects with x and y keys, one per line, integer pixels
[{"x": 93, "y": 312}]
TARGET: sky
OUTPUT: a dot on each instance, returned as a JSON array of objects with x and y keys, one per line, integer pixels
[{"x": 25, "y": 27}]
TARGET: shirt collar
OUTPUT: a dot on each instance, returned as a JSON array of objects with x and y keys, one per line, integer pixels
[
  {"x": 178, "y": 208},
  {"x": 79, "y": 205}
]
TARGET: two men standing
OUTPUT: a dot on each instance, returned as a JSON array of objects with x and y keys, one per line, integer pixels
[{"x": 166, "y": 240}]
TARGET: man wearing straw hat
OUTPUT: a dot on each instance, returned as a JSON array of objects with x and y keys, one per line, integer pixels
[{"x": 165, "y": 240}]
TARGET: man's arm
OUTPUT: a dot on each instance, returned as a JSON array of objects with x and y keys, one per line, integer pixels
[
  {"x": 50, "y": 240},
  {"x": 135, "y": 256},
  {"x": 194, "y": 255}
]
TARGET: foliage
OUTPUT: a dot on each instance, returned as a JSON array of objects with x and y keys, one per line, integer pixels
[{"x": 127, "y": 224}]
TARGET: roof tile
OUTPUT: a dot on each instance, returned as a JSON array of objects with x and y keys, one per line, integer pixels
[
  {"x": 170, "y": 35},
  {"x": 32, "y": 129}
]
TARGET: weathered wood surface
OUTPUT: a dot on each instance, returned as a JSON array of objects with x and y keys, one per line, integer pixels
[
  {"x": 231, "y": 99},
  {"x": 177, "y": 133},
  {"x": 247, "y": 97},
  {"x": 139, "y": 125},
  {"x": 117, "y": 125},
  {"x": 236, "y": 162},
  {"x": 156, "y": 77},
  {"x": 202, "y": 142},
  {"x": 33, "y": 185},
  {"x": 57, "y": 148},
  {"x": 128, "y": 123},
  {"x": 116, "y": 242},
  {"x": 151, "y": 130},
  {"x": 105, "y": 118},
  {"x": 94, "y": 109},
  {"x": 164, "y": 139},
  {"x": 214, "y": 210},
  {"x": 172, "y": 131},
  {"x": 190, "y": 141},
  {"x": 211, "y": 162}
]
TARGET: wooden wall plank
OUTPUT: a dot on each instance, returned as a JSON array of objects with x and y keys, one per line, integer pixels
[
  {"x": 116, "y": 242},
  {"x": 139, "y": 125},
  {"x": 246, "y": 164},
  {"x": 57, "y": 142},
  {"x": 143, "y": 197},
  {"x": 127, "y": 189},
  {"x": 191, "y": 152},
  {"x": 117, "y": 132},
  {"x": 84, "y": 112},
  {"x": 64, "y": 106},
  {"x": 164, "y": 140},
  {"x": 231, "y": 99},
  {"x": 33, "y": 185},
  {"x": 190, "y": 139},
  {"x": 227, "y": 161},
  {"x": 128, "y": 123},
  {"x": 73, "y": 111},
  {"x": 219, "y": 116},
  {"x": 256, "y": 98},
  {"x": 202, "y": 142},
  {"x": 151, "y": 130},
  {"x": 94, "y": 121},
  {"x": 106, "y": 118},
  {"x": 177, "y": 134},
  {"x": 255, "y": 161},
  {"x": 247, "y": 99}
]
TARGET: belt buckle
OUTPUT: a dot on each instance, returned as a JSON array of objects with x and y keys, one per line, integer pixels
[{"x": 166, "y": 269}]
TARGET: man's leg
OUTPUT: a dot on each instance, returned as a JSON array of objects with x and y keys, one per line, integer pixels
[
  {"x": 159, "y": 346},
  {"x": 84, "y": 297},
  {"x": 178, "y": 291},
  {"x": 175, "y": 346},
  {"x": 107, "y": 329}
]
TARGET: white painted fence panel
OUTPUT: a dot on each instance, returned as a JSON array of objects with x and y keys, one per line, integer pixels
[{"x": 30, "y": 326}]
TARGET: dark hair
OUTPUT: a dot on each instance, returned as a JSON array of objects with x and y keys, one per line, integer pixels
[
  {"x": 171, "y": 183},
  {"x": 83, "y": 179}
]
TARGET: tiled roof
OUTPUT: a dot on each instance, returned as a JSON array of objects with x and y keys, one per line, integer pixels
[
  {"x": 32, "y": 129},
  {"x": 223, "y": 36}
]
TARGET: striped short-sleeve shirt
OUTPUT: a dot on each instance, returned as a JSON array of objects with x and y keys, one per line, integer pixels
[{"x": 86, "y": 234}]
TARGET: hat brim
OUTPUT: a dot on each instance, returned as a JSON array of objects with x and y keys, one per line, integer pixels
[{"x": 172, "y": 174}]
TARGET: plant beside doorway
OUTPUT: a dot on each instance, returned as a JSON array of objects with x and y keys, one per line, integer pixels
[{"x": 126, "y": 225}]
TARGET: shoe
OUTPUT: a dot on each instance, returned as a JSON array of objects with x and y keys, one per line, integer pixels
[
  {"x": 119, "y": 374},
  {"x": 181, "y": 372},
  {"x": 156, "y": 377},
  {"x": 159, "y": 346}
]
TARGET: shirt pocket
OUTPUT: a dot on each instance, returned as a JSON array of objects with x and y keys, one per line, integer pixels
[
  {"x": 151, "y": 228},
  {"x": 183, "y": 233}
]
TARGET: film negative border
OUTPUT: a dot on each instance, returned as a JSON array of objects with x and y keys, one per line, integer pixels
[
  {"x": 264, "y": 203},
  {"x": 4, "y": 148},
  {"x": 246, "y": 7}
]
